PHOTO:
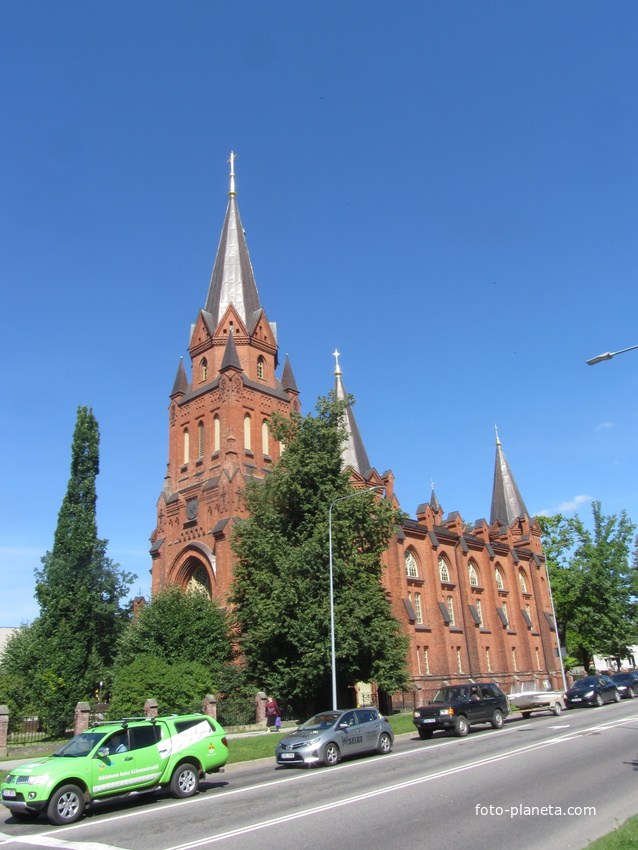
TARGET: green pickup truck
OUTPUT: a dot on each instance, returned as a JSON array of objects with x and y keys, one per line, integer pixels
[{"x": 115, "y": 759}]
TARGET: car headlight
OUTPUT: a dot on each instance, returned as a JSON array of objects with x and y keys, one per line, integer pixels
[
  {"x": 589, "y": 694},
  {"x": 446, "y": 711},
  {"x": 41, "y": 779}
]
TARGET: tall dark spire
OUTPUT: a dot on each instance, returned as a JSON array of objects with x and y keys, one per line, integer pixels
[
  {"x": 353, "y": 451},
  {"x": 232, "y": 281},
  {"x": 507, "y": 502}
]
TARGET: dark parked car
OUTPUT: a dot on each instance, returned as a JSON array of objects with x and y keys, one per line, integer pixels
[
  {"x": 458, "y": 707},
  {"x": 627, "y": 684},
  {"x": 592, "y": 690}
]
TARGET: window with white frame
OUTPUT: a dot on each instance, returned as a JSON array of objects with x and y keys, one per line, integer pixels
[
  {"x": 217, "y": 433},
  {"x": 247, "y": 435},
  {"x": 450, "y": 609},
  {"x": 444, "y": 571},
  {"x": 411, "y": 569},
  {"x": 523, "y": 582},
  {"x": 417, "y": 608},
  {"x": 479, "y": 611},
  {"x": 187, "y": 445},
  {"x": 473, "y": 575},
  {"x": 265, "y": 433},
  {"x": 498, "y": 576}
]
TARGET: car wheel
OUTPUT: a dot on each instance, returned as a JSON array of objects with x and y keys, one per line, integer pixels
[
  {"x": 556, "y": 709},
  {"x": 185, "y": 780},
  {"x": 331, "y": 755},
  {"x": 599, "y": 700},
  {"x": 385, "y": 744},
  {"x": 617, "y": 696},
  {"x": 497, "y": 719},
  {"x": 630, "y": 693},
  {"x": 462, "y": 727},
  {"x": 526, "y": 714},
  {"x": 426, "y": 734},
  {"x": 66, "y": 805}
]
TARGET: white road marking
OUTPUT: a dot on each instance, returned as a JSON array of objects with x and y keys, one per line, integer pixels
[{"x": 42, "y": 840}]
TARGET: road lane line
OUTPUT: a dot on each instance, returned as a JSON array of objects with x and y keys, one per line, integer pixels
[
  {"x": 211, "y": 839},
  {"x": 42, "y": 840}
]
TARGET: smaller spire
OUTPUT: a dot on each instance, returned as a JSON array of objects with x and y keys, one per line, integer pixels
[
  {"x": 434, "y": 502},
  {"x": 231, "y": 358},
  {"x": 232, "y": 193},
  {"x": 180, "y": 387},
  {"x": 288, "y": 379}
]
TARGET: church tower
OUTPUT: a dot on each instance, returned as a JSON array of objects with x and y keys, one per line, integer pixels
[{"x": 219, "y": 421}]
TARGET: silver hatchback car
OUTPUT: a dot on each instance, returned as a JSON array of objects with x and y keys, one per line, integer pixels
[{"x": 328, "y": 736}]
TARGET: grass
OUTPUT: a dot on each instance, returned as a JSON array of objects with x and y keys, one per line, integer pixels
[{"x": 625, "y": 837}]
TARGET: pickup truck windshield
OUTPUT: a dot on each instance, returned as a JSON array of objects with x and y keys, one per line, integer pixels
[{"x": 81, "y": 745}]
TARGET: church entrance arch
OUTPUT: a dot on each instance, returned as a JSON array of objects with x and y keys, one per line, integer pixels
[{"x": 194, "y": 569}]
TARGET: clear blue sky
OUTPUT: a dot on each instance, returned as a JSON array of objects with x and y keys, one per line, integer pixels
[{"x": 444, "y": 191}]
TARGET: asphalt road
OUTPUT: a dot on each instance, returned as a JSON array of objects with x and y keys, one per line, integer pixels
[{"x": 554, "y": 782}]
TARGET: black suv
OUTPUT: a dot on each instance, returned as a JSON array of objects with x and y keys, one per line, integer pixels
[{"x": 458, "y": 707}]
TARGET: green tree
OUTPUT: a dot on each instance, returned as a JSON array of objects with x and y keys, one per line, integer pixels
[
  {"x": 593, "y": 584},
  {"x": 178, "y": 625},
  {"x": 281, "y": 584},
  {"x": 79, "y": 591},
  {"x": 178, "y": 687}
]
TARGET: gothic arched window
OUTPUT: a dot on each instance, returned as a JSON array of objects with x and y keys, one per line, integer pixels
[
  {"x": 411, "y": 568},
  {"x": 444, "y": 571}
]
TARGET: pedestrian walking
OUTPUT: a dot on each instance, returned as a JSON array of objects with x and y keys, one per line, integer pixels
[{"x": 272, "y": 714}]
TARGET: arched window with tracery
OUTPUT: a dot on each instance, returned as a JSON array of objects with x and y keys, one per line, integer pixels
[
  {"x": 473, "y": 574},
  {"x": 498, "y": 577},
  {"x": 411, "y": 567},
  {"x": 444, "y": 571},
  {"x": 261, "y": 368},
  {"x": 522, "y": 580}
]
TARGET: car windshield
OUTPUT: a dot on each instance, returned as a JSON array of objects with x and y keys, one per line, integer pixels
[
  {"x": 449, "y": 694},
  {"x": 81, "y": 745},
  {"x": 320, "y": 721},
  {"x": 585, "y": 684}
]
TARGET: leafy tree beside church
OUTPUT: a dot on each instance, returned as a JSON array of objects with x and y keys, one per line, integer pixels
[{"x": 281, "y": 583}]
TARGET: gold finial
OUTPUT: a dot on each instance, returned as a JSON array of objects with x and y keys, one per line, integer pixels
[
  {"x": 232, "y": 192},
  {"x": 336, "y": 356},
  {"x": 498, "y": 442}
]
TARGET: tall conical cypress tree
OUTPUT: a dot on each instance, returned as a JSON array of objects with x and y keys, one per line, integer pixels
[{"x": 79, "y": 590}]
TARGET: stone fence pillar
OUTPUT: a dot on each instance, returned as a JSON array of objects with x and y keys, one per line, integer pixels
[
  {"x": 81, "y": 722},
  {"x": 210, "y": 706},
  {"x": 4, "y": 729},
  {"x": 260, "y": 708},
  {"x": 150, "y": 708}
]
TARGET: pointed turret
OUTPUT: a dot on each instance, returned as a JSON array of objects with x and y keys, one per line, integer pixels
[
  {"x": 353, "y": 452},
  {"x": 288, "y": 379},
  {"x": 232, "y": 281},
  {"x": 507, "y": 503},
  {"x": 231, "y": 358},
  {"x": 181, "y": 381},
  {"x": 434, "y": 502}
]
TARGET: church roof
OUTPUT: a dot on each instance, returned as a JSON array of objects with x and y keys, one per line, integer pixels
[
  {"x": 353, "y": 452},
  {"x": 233, "y": 280},
  {"x": 507, "y": 502}
]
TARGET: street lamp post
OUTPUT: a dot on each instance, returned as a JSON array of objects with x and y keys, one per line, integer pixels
[
  {"x": 608, "y": 355},
  {"x": 333, "y": 658}
]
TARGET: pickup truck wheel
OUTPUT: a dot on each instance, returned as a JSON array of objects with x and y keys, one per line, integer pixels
[
  {"x": 425, "y": 734},
  {"x": 556, "y": 709},
  {"x": 66, "y": 805},
  {"x": 185, "y": 780},
  {"x": 497, "y": 719},
  {"x": 331, "y": 755},
  {"x": 526, "y": 714},
  {"x": 385, "y": 744},
  {"x": 462, "y": 727}
]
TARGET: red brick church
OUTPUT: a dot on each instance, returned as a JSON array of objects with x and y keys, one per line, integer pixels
[{"x": 474, "y": 599}]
